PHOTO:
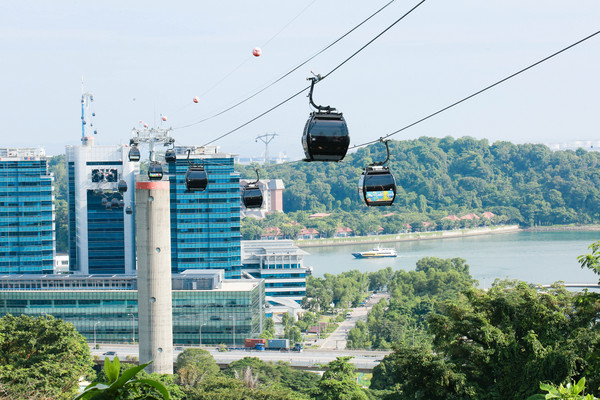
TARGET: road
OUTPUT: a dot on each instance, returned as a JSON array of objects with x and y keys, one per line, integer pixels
[
  {"x": 337, "y": 340},
  {"x": 363, "y": 359},
  {"x": 330, "y": 348}
]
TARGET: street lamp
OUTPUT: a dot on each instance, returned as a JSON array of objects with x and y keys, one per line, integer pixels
[
  {"x": 97, "y": 322},
  {"x": 200, "y": 333},
  {"x": 132, "y": 328}
]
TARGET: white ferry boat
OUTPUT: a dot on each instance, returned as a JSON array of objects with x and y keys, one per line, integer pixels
[{"x": 377, "y": 252}]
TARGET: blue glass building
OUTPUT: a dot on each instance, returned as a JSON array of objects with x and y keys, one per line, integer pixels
[
  {"x": 205, "y": 226},
  {"x": 27, "y": 231}
]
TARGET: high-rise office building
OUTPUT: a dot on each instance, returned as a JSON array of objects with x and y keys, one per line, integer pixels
[
  {"x": 27, "y": 230},
  {"x": 101, "y": 186},
  {"x": 205, "y": 226}
]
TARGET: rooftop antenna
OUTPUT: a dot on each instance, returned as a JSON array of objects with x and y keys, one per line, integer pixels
[
  {"x": 266, "y": 139},
  {"x": 87, "y": 113}
]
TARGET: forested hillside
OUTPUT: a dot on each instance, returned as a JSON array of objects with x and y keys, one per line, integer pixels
[{"x": 528, "y": 184}]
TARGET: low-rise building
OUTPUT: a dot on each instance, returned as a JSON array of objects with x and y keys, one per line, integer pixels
[
  {"x": 280, "y": 263},
  {"x": 207, "y": 309}
]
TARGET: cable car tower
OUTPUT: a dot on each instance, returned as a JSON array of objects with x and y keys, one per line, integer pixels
[
  {"x": 151, "y": 136},
  {"x": 266, "y": 139}
]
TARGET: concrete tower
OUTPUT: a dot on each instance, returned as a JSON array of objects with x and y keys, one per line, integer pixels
[{"x": 153, "y": 246}]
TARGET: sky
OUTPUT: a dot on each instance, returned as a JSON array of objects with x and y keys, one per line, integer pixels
[{"x": 145, "y": 59}]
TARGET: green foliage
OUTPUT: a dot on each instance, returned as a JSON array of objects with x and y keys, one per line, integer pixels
[
  {"x": 279, "y": 374},
  {"x": 41, "y": 357},
  {"x": 509, "y": 338},
  {"x": 526, "y": 183},
  {"x": 592, "y": 260},
  {"x": 569, "y": 391},
  {"x": 124, "y": 386},
  {"x": 338, "y": 382},
  {"x": 413, "y": 297},
  {"x": 229, "y": 388},
  {"x": 268, "y": 329},
  {"x": 194, "y": 366},
  {"x": 57, "y": 165},
  {"x": 418, "y": 373}
]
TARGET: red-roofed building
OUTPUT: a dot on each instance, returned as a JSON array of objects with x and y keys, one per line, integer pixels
[
  {"x": 271, "y": 233},
  {"x": 344, "y": 232},
  {"x": 452, "y": 218},
  {"x": 488, "y": 215},
  {"x": 470, "y": 216},
  {"x": 310, "y": 233}
]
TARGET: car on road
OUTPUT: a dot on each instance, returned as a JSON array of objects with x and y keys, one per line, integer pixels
[{"x": 110, "y": 353}]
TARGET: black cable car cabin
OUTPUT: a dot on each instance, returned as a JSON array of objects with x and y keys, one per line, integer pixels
[
  {"x": 134, "y": 154},
  {"x": 170, "y": 156},
  {"x": 128, "y": 210},
  {"x": 325, "y": 137},
  {"x": 196, "y": 178},
  {"x": 122, "y": 186},
  {"x": 377, "y": 186},
  {"x": 252, "y": 196},
  {"x": 155, "y": 171}
]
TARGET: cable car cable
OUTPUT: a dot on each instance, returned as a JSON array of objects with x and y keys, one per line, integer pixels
[
  {"x": 320, "y": 79},
  {"x": 289, "y": 72},
  {"x": 478, "y": 92},
  {"x": 249, "y": 57}
]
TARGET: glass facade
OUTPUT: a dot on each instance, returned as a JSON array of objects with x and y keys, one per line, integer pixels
[
  {"x": 72, "y": 219},
  {"x": 106, "y": 236},
  {"x": 205, "y": 226},
  {"x": 27, "y": 230},
  {"x": 227, "y": 314}
]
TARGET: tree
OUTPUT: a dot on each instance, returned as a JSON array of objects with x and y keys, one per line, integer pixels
[
  {"x": 124, "y": 386},
  {"x": 195, "y": 365},
  {"x": 592, "y": 260},
  {"x": 338, "y": 382},
  {"x": 506, "y": 340},
  {"x": 418, "y": 373},
  {"x": 280, "y": 374},
  {"x": 41, "y": 357}
]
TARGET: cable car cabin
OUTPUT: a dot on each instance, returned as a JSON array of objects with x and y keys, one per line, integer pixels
[
  {"x": 196, "y": 178},
  {"x": 325, "y": 137},
  {"x": 134, "y": 154},
  {"x": 155, "y": 171},
  {"x": 122, "y": 186},
  {"x": 377, "y": 186},
  {"x": 252, "y": 196},
  {"x": 170, "y": 156},
  {"x": 128, "y": 210}
]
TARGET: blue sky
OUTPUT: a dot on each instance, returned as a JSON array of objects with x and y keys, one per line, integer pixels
[{"x": 142, "y": 59}]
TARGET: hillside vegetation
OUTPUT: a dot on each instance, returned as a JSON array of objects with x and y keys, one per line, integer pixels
[{"x": 527, "y": 184}]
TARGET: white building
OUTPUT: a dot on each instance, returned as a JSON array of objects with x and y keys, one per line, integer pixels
[
  {"x": 101, "y": 217},
  {"x": 281, "y": 264}
]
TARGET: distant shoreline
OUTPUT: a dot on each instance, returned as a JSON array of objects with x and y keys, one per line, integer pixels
[
  {"x": 563, "y": 228},
  {"x": 407, "y": 237}
]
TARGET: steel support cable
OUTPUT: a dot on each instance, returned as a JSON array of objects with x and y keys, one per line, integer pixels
[
  {"x": 478, "y": 92},
  {"x": 320, "y": 78},
  {"x": 289, "y": 72}
]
